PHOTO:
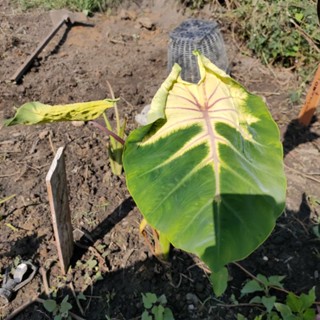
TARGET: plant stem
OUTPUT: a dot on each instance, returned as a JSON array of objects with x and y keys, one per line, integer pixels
[
  {"x": 107, "y": 131},
  {"x": 115, "y": 108},
  {"x": 240, "y": 305},
  {"x": 164, "y": 246}
]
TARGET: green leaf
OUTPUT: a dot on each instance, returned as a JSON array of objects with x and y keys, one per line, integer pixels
[
  {"x": 263, "y": 279},
  {"x": 285, "y": 311},
  {"x": 268, "y": 302},
  {"x": 276, "y": 281},
  {"x": 91, "y": 263},
  {"x": 309, "y": 314},
  {"x": 158, "y": 312},
  {"x": 162, "y": 299},
  {"x": 219, "y": 281},
  {"x": 241, "y": 317},
  {"x": 98, "y": 276},
  {"x": 251, "y": 286},
  {"x": 36, "y": 112},
  {"x": 294, "y": 302},
  {"x": 65, "y": 306},
  {"x": 81, "y": 296},
  {"x": 146, "y": 316},
  {"x": 149, "y": 299},
  {"x": 308, "y": 299},
  {"x": 167, "y": 314},
  {"x": 256, "y": 299},
  {"x": 298, "y": 16},
  {"x": 207, "y": 171},
  {"x": 50, "y": 305},
  {"x": 65, "y": 299}
]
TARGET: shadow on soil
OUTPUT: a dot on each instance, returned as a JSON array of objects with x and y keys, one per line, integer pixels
[
  {"x": 103, "y": 228},
  {"x": 290, "y": 251},
  {"x": 26, "y": 247},
  {"x": 297, "y": 134}
]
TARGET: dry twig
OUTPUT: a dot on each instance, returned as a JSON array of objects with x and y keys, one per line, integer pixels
[
  {"x": 76, "y": 298},
  {"x": 43, "y": 273}
]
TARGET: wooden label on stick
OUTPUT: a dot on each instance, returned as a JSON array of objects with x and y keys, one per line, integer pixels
[
  {"x": 56, "y": 181},
  {"x": 312, "y": 101}
]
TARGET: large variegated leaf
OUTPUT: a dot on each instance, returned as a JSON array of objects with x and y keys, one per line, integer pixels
[
  {"x": 36, "y": 112},
  {"x": 207, "y": 170}
]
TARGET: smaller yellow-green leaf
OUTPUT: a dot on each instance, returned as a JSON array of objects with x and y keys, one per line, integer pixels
[{"x": 36, "y": 112}]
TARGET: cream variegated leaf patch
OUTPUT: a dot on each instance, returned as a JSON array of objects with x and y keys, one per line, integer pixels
[
  {"x": 211, "y": 101},
  {"x": 207, "y": 171},
  {"x": 37, "y": 113}
]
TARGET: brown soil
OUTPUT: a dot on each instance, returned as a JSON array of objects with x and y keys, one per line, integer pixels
[{"x": 76, "y": 66}]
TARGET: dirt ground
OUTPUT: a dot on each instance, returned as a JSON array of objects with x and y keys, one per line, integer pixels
[{"x": 129, "y": 49}]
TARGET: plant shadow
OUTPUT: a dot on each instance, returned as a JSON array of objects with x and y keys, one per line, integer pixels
[
  {"x": 297, "y": 134},
  {"x": 117, "y": 295},
  {"x": 26, "y": 247}
]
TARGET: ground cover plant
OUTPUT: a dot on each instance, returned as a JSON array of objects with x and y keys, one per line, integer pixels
[
  {"x": 294, "y": 308},
  {"x": 283, "y": 32}
]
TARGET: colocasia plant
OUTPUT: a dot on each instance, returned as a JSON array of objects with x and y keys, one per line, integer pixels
[{"x": 206, "y": 171}]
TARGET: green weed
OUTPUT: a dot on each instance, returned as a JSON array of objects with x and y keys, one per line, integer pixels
[
  {"x": 59, "y": 310},
  {"x": 294, "y": 308},
  {"x": 282, "y": 32},
  {"x": 155, "y": 307}
]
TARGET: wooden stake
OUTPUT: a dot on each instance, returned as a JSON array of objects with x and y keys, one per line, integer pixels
[
  {"x": 56, "y": 181},
  {"x": 312, "y": 101}
]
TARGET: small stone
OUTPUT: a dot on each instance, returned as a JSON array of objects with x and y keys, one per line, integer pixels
[
  {"x": 43, "y": 134},
  {"x": 192, "y": 298},
  {"x": 43, "y": 252},
  {"x": 78, "y": 123},
  {"x": 191, "y": 307},
  {"x": 28, "y": 226},
  {"x": 146, "y": 22},
  {"x": 77, "y": 234},
  {"x": 127, "y": 15},
  {"x": 21, "y": 89},
  {"x": 42, "y": 232}
]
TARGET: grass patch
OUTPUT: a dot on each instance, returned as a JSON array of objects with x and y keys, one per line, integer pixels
[
  {"x": 279, "y": 32},
  {"x": 76, "y": 5},
  {"x": 282, "y": 32}
]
